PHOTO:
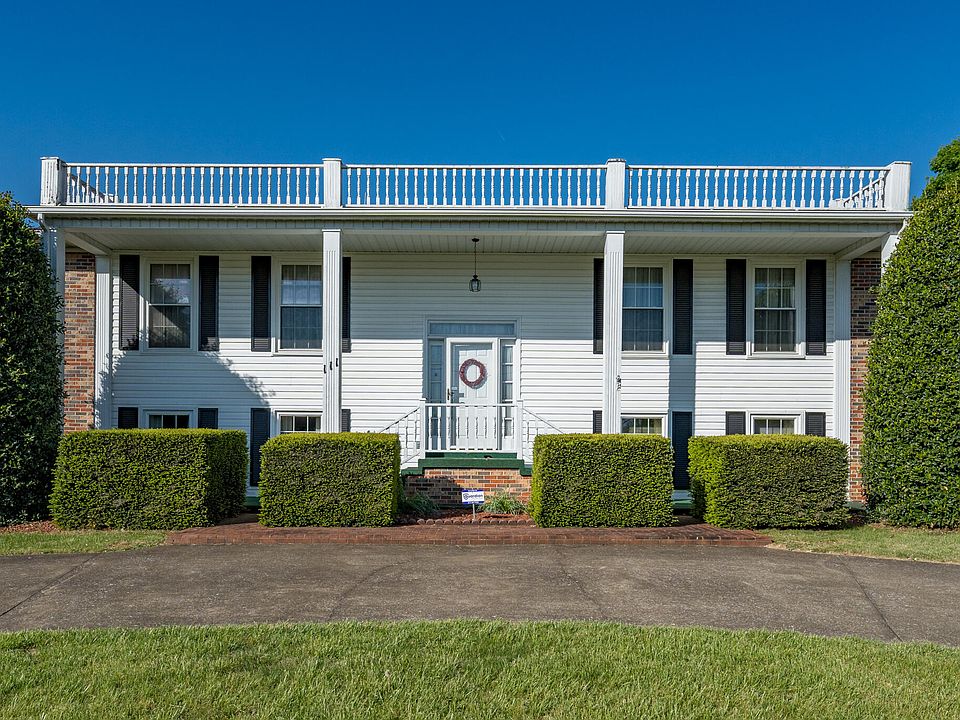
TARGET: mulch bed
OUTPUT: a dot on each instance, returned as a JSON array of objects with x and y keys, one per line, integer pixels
[
  {"x": 465, "y": 517},
  {"x": 40, "y": 526}
]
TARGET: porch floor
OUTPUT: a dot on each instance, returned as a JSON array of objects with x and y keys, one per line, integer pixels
[{"x": 246, "y": 531}]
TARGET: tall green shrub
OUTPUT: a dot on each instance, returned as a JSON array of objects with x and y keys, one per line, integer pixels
[
  {"x": 330, "y": 479},
  {"x": 31, "y": 388},
  {"x": 911, "y": 449},
  {"x": 602, "y": 481}
]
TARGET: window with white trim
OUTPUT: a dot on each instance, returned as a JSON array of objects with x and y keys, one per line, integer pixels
[
  {"x": 299, "y": 422},
  {"x": 301, "y": 306},
  {"x": 643, "y": 308},
  {"x": 774, "y": 425},
  {"x": 775, "y": 309},
  {"x": 168, "y": 421},
  {"x": 641, "y": 425},
  {"x": 168, "y": 313}
]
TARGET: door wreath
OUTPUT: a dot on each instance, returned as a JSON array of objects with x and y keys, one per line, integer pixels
[{"x": 481, "y": 372}]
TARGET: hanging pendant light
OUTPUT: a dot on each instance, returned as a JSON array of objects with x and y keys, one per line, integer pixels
[{"x": 475, "y": 281}]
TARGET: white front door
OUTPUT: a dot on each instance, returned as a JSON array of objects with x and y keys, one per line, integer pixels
[{"x": 472, "y": 392}]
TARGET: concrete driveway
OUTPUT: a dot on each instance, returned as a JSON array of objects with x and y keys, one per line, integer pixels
[{"x": 720, "y": 587}]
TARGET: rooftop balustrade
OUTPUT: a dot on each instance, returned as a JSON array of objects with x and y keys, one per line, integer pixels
[{"x": 614, "y": 185}]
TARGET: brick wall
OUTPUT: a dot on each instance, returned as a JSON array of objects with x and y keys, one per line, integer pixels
[
  {"x": 80, "y": 288},
  {"x": 864, "y": 277},
  {"x": 443, "y": 485}
]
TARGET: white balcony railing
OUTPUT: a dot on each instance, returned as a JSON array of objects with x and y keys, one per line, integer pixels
[
  {"x": 861, "y": 188},
  {"x": 489, "y": 186},
  {"x": 461, "y": 428},
  {"x": 612, "y": 186}
]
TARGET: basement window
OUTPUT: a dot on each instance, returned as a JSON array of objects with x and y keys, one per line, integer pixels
[
  {"x": 299, "y": 422},
  {"x": 642, "y": 425},
  {"x": 774, "y": 425},
  {"x": 168, "y": 421}
]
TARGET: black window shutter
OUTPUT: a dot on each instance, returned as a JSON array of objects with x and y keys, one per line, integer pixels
[
  {"x": 682, "y": 430},
  {"x": 736, "y": 307},
  {"x": 736, "y": 423},
  {"x": 816, "y": 424},
  {"x": 259, "y": 434},
  {"x": 598, "y": 306},
  {"x": 209, "y": 338},
  {"x": 816, "y": 307},
  {"x": 260, "y": 304},
  {"x": 130, "y": 302},
  {"x": 208, "y": 418},
  {"x": 345, "y": 343},
  {"x": 598, "y": 421},
  {"x": 683, "y": 307},
  {"x": 344, "y": 420},
  {"x": 128, "y": 418}
]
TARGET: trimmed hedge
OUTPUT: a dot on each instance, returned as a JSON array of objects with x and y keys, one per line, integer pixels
[
  {"x": 602, "y": 481},
  {"x": 329, "y": 479},
  {"x": 775, "y": 481},
  {"x": 149, "y": 479}
]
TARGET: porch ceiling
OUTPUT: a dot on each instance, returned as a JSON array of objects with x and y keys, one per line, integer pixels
[{"x": 571, "y": 237}]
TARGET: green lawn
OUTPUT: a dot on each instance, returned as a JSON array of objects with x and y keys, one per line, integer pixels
[
  {"x": 77, "y": 541},
  {"x": 469, "y": 669},
  {"x": 875, "y": 541}
]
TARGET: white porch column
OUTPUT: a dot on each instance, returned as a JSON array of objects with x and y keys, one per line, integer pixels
[
  {"x": 841, "y": 352},
  {"x": 103, "y": 347},
  {"x": 332, "y": 295},
  {"x": 53, "y": 247},
  {"x": 887, "y": 247},
  {"x": 612, "y": 329}
]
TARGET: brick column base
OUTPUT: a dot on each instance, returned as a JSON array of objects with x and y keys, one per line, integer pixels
[{"x": 79, "y": 318}]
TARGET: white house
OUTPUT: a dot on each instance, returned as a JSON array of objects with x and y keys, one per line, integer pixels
[{"x": 469, "y": 308}]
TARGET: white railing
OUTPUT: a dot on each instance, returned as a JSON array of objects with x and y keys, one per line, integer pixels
[
  {"x": 489, "y": 186},
  {"x": 456, "y": 428},
  {"x": 124, "y": 184},
  {"x": 613, "y": 186},
  {"x": 407, "y": 429},
  {"x": 532, "y": 425},
  {"x": 755, "y": 187}
]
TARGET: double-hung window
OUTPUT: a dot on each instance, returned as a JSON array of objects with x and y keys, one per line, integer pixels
[
  {"x": 775, "y": 309},
  {"x": 301, "y": 305},
  {"x": 643, "y": 308},
  {"x": 642, "y": 425},
  {"x": 168, "y": 315},
  {"x": 299, "y": 422}
]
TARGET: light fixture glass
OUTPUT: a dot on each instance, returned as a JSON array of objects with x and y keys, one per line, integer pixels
[{"x": 475, "y": 281}]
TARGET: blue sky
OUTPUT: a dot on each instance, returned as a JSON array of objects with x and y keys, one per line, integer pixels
[{"x": 470, "y": 82}]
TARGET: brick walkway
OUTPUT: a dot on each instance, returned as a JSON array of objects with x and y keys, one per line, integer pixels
[{"x": 249, "y": 532}]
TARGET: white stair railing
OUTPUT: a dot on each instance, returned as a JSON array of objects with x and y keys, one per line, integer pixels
[
  {"x": 408, "y": 430},
  {"x": 532, "y": 425}
]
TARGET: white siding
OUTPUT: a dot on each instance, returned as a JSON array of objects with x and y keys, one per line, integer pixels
[
  {"x": 550, "y": 297},
  {"x": 755, "y": 384},
  {"x": 234, "y": 379}
]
